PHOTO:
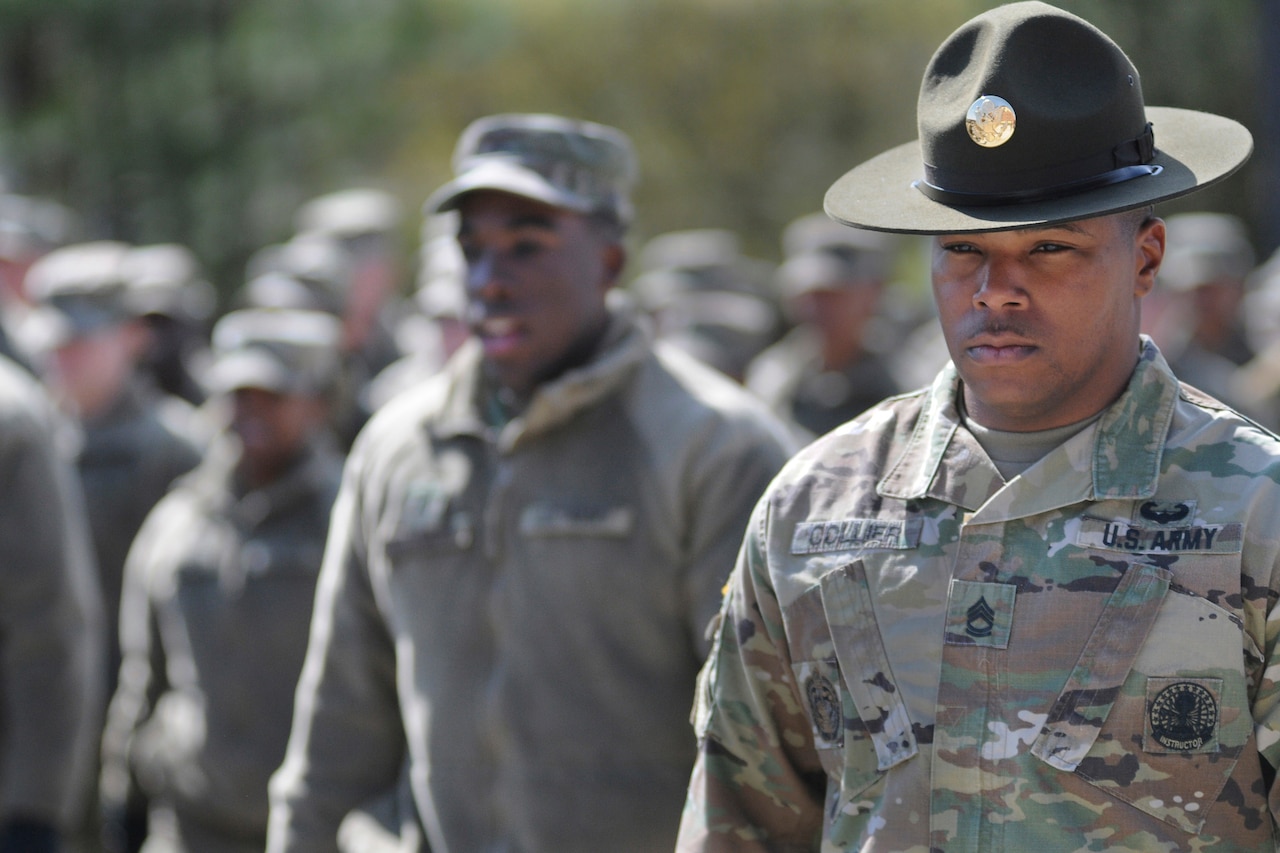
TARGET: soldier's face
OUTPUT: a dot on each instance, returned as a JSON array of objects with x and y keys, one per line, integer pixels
[
  {"x": 537, "y": 277},
  {"x": 1042, "y": 324},
  {"x": 272, "y": 428}
]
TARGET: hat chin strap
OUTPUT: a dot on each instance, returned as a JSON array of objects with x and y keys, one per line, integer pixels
[{"x": 1057, "y": 191}]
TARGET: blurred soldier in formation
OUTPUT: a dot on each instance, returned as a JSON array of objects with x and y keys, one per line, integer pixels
[
  {"x": 177, "y": 304},
  {"x": 92, "y": 341},
  {"x": 527, "y": 547},
  {"x": 1195, "y": 314},
  {"x": 823, "y": 372},
  {"x": 218, "y": 595},
  {"x": 52, "y": 654},
  {"x": 29, "y": 229},
  {"x": 708, "y": 298},
  {"x": 438, "y": 326},
  {"x": 362, "y": 222}
]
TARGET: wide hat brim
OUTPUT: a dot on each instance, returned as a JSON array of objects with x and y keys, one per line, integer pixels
[{"x": 1193, "y": 150}]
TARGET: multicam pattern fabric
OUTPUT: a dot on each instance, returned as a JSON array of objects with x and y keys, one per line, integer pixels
[{"x": 1080, "y": 659}]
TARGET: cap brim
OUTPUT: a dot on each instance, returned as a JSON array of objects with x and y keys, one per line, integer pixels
[
  {"x": 248, "y": 369},
  {"x": 1193, "y": 149},
  {"x": 506, "y": 176}
]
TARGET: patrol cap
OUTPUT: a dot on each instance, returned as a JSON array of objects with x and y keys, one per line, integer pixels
[
  {"x": 312, "y": 261},
  {"x": 31, "y": 226},
  {"x": 563, "y": 162},
  {"x": 349, "y": 213},
  {"x": 442, "y": 278},
  {"x": 1031, "y": 116},
  {"x": 287, "y": 351},
  {"x": 822, "y": 254},
  {"x": 80, "y": 289},
  {"x": 1205, "y": 247},
  {"x": 165, "y": 279}
]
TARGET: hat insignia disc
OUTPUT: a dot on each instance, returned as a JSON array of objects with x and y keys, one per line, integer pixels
[{"x": 990, "y": 121}]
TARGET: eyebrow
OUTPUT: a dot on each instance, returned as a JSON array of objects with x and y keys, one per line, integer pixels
[
  {"x": 1062, "y": 226},
  {"x": 539, "y": 221}
]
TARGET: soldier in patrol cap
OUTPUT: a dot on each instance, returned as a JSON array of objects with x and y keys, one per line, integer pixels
[
  {"x": 132, "y": 448},
  {"x": 1029, "y": 607},
  {"x": 218, "y": 595},
  {"x": 528, "y": 546},
  {"x": 825, "y": 371},
  {"x": 708, "y": 298}
]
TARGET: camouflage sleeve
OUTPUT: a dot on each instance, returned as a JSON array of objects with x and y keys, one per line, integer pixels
[
  {"x": 1266, "y": 704},
  {"x": 757, "y": 783}
]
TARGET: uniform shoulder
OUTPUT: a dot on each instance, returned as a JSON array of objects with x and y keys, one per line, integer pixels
[{"x": 678, "y": 391}]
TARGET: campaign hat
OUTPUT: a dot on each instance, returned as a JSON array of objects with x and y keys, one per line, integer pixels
[{"x": 1031, "y": 116}]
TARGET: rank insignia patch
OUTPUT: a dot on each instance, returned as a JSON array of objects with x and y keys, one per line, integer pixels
[
  {"x": 981, "y": 619},
  {"x": 980, "y": 614},
  {"x": 1182, "y": 714}
]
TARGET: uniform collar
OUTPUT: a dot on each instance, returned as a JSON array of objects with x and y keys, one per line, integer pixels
[
  {"x": 625, "y": 345},
  {"x": 1117, "y": 457}
]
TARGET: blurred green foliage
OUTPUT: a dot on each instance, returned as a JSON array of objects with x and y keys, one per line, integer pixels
[{"x": 208, "y": 121}]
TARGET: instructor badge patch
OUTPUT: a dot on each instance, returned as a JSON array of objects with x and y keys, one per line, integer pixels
[
  {"x": 1182, "y": 714},
  {"x": 824, "y": 707}
]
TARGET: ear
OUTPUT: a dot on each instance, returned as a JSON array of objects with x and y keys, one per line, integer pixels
[
  {"x": 614, "y": 259},
  {"x": 1149, "y": 253}
]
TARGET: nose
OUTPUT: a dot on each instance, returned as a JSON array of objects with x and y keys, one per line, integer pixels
[
  {"x": 998, "y": 287},
  {"x": 482, "y": 280}
]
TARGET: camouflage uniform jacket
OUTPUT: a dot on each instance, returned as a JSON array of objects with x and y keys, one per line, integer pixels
[
  {"x": 217, "y": 605},
  {"x": 52, "y": 641},
  {"x": 527, "y": 605},
  {"x": 915, "y": 656}
]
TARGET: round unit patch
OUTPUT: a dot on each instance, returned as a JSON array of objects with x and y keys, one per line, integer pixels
[
  {"x": 824, "y": 706},
  {"x": 1183, "y": 716}
]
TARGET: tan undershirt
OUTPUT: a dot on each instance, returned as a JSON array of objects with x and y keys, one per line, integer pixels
[{"x": 1015, "y": 452}]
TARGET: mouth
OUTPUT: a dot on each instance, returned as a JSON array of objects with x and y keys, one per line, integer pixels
[
  {"x": 999, "y": 351},
  {"x": 499, "y": 335}
]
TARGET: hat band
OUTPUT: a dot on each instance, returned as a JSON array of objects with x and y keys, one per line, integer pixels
[
  {"x": 1124, "y": 162},
  {"x": 960, "y": 199}
]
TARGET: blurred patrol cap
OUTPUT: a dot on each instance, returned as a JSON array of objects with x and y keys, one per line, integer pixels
[
  {"x": 1204, "y": 248},
  {"x": 286, "y": 351},
  {"x": 78, "y": 290},
  {"x": 566, "y": 163},
  {"x": 165, "y": 279},
  {"x": 310, "y": 270},
  {"x": 441, "y": 292},
  {"x": 30, "y": 226},
  {"x": 1029, "y": 115},
  {"x": 821, "y": 254},
  {"x": 349, "y": 213}
]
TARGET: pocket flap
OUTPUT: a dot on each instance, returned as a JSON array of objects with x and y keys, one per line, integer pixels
[
  {"x": 1077, "y": 716},
  {"x": 846, "y": 600}
]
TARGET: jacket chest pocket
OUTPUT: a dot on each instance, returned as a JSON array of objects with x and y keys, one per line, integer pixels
[{"x": 1156, "y": 711}]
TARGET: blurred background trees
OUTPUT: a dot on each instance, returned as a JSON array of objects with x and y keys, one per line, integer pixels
[{"x": 207, "y": 122}]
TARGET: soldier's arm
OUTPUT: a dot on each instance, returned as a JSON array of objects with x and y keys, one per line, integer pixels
[
  {"x": 347, "y": 740},
  {"x": 142, "y": 680},
  {"x": 757, "y": 783},
  {"x": 52, "y": 653},
  {"x": 727, "y": 476}
]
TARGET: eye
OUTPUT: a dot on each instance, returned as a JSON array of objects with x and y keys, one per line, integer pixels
[
  {"x": 1051, "y": 248},
  {"x": 526, "y": 248},
  {"x": 959, "y": 248}
]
